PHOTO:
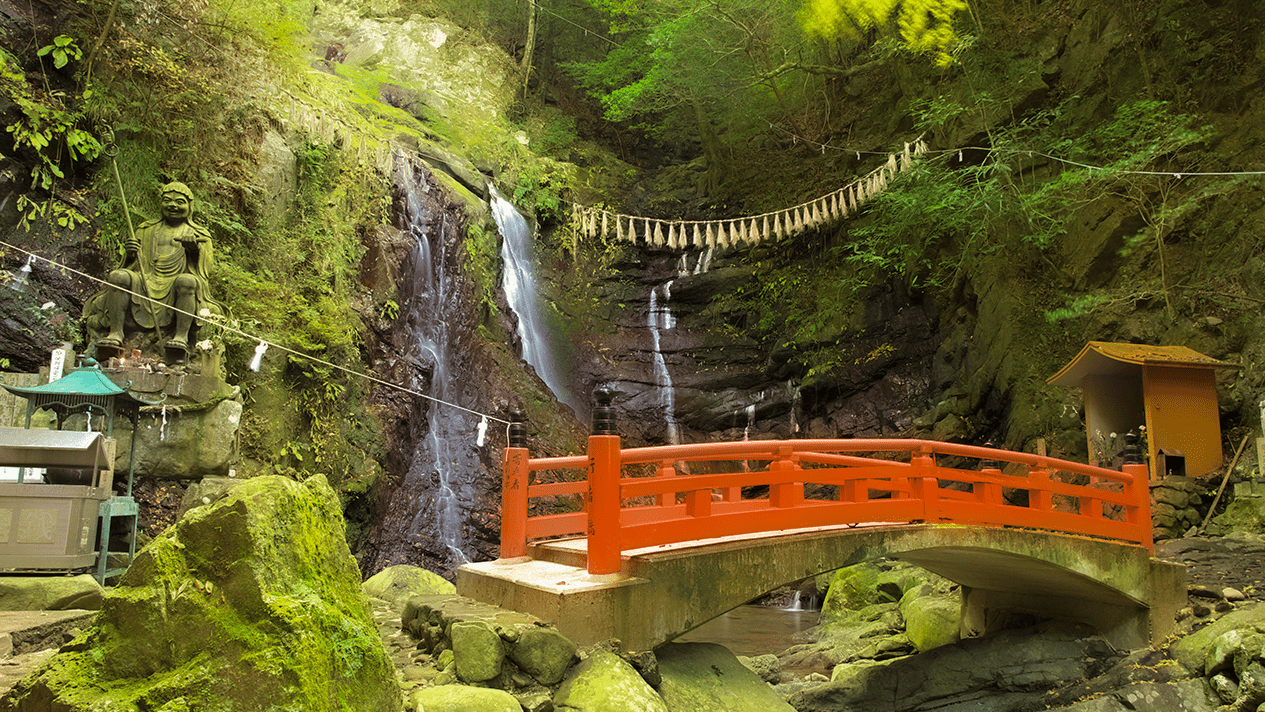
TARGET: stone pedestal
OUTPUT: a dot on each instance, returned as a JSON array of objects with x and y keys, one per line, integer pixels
[
  {"x": 189, "y": 431},
  {"x": 1251, "y": 488}
]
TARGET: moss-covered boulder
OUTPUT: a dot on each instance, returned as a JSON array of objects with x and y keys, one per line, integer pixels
[
  {"x": 50, "y": 593},
  {"x": 1246, "y": 514},
  {"x": 250, "y": 603},
  {"x": 705, "y": 677},
  {"x": 543, "y": 653},
  {"x": 460, "y": 698},
  {"x": 397, "y": 584},
  {"x": 930, "y": 620},
  {"x": 851, "y": 590},
  {"x": 606, "y": 683},
  {"x": 478, "y": 651}
]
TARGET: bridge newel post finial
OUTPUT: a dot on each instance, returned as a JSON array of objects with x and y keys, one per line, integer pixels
[
  {"x": 603, "y": 412},
  {"x": 517, "y": 429},
  {"x": 515, "y": 477},
  {"x": 604, "y": 489}
]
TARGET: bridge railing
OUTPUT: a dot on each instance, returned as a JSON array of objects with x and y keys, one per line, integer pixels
[{"x": 649, "y": 496}]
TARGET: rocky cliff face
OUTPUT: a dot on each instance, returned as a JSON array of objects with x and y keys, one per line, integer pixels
[{"x": 967, "y": 361}]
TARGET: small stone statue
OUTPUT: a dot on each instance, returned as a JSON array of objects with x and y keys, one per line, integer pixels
[{"x": 169, "y": 261}]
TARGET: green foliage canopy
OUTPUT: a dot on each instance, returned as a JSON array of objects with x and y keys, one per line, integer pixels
[
  {"x": 926, "y": 26},
  {"x": 676, "y": 63}
]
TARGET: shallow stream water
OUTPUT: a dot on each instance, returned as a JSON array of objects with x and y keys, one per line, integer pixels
[{"x": 754, "y": 630}]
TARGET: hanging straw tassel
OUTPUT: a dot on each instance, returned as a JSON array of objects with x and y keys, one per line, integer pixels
[
  {"x": 753, "y": 232},
  {"x": 698, "y": 236},
  {"x": 658, "y": 235},
  {"x": 672, "y": 236},
  {"x": 605, "y": 225},
  {"x": 711, "y": 236},
  {"x": 632, "y": 230},
  {"x": 619, "y": 229}
]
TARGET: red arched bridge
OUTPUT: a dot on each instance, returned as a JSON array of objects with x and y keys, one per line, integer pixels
[{"x": 666, "y": 538}]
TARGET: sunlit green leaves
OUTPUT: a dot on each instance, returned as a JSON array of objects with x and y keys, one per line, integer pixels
[
  {"x": 672, "y": 59},
  {"x": 63, "y": 49},
  {"x": 926, "y": 26}
]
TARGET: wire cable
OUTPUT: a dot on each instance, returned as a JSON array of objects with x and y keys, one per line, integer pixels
[{"x": 251, "y": 337}]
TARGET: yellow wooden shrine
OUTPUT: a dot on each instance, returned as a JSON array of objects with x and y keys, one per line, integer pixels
[{"x": 1172, "y": 390}]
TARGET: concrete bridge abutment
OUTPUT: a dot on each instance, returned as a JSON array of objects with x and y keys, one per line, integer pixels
[{"x": 663, "y": 592}]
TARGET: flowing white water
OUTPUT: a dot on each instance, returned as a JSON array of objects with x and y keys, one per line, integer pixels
[
  {"x": 541, "y": 341},
  {"x": 795, "y": 400},
  {"x": 660, "y": 319},
  {"x": 445, "y": 448}
]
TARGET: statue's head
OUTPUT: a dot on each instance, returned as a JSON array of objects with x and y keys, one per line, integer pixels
[
  {"x": 177, "y": 201},
  {"x": 178, "y": 188}
]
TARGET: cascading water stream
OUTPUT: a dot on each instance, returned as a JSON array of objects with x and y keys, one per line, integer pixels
[
  {"x": 428, "y": 516},
  {"x": 659, "y": 319},
  {"x": 541, "y": 343}
]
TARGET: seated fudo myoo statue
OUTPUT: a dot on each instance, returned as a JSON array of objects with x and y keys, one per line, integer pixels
[{"x": 167, "y": 260}]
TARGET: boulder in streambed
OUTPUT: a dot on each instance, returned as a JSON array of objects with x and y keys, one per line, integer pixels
[
  {"x": 460, "y": 698},
  {"x": 1010, "y": 670},
  {"x": 604, "y": 682},
  {"x": 705, "y": 677},
  {"x": 252, "y": 602}
]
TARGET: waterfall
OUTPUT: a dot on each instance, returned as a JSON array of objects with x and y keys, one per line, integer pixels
[
  {"x": 540, "y": 340},
  {"x": 427, "y": 516},
  {"x": 660, "y": 319},
  {"x": 704, "y": 261},
  {"x": 799, "y": 603},
  {"x": 795, "y": 402}
]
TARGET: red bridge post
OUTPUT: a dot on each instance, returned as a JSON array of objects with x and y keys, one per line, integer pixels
[
  {"x": 603, "y": 495},
  {"x": 924, "y": 484},
  {"x": 515, "y": 476},
  {"x": 1140, "y": 514}
]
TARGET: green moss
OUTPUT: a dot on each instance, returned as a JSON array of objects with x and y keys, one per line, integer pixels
[{"x": 250, "y": 603}]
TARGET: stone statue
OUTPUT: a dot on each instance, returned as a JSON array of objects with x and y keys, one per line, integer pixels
[{"x": 169, "y": 261}]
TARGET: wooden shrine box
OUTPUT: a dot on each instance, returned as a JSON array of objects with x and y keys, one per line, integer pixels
[
  {"x": 48, "y": 526},
  {"x": 1172, "y": 390}
]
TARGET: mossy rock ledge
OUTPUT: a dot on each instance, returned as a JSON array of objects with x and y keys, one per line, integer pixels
[{"x": 252, "y": 602}]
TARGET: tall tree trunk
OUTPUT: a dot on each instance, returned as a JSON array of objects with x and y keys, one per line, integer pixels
[
  {"x": 531, "y": 45},
  {"x": 713, "y": 152}
]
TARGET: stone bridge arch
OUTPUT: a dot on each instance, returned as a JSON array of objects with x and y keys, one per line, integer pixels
[{"x": 663, "y": 592}]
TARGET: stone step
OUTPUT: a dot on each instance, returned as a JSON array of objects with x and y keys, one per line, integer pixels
[{"x": 28, "y": 638}]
